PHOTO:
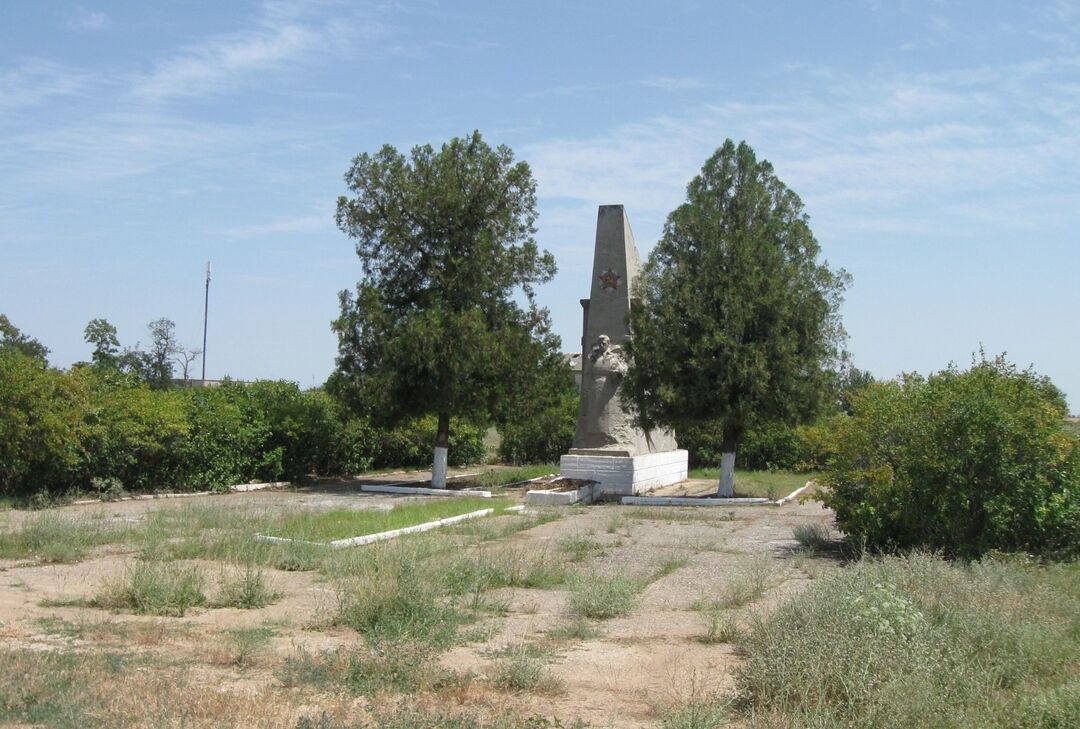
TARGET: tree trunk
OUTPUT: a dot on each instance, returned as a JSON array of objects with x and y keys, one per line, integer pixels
[
  {"x": 727, "y": 469},
  {"x": 442, "y": 446}
]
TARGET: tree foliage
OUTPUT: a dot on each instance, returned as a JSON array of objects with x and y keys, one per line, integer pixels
[
  {"x": 737, "y": 320},
  {"x": 11, "y": 339},
  {"x": 963, "y": 462},
  {"x": 445, "y": 240}
]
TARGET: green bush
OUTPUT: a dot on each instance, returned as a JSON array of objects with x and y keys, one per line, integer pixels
[
  {"x": 544, "y": 436},
  {"x": 42, "y": 426},
  {"x": 133, "y": 433},
  {"x": 963, "y": 462},
  {"x": 228, "y": 440},
  {"x": 772, "y": 446},
  {"x": 91, "y": 429},
  {"x": 412, "y": 443}
]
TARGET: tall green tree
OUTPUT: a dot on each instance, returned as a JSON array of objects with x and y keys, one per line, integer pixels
[
  {"x": 102, "y": 335},
  {"x": 736, "y": 318},
  {"x": 445, "y": 241},
  {"x": 164, "y": 346},
  {"x": 11, "y": 339}
]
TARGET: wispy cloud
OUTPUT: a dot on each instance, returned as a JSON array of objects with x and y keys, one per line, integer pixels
[
  {"x": 299, "y": 224},
  {"x": 212, "y": 65},
  {"x": 281, "y": 34},
  {"x": 34, "y": 81},
  {"x": 87, "y": 20},
  {"x": 863, "y": 153},
  {"x": 673, "y": 83}
]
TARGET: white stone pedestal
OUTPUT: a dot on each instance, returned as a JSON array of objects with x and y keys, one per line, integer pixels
[{"x": 626, "y": 475}]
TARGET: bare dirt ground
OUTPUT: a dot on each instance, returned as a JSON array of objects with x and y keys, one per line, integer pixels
[{"x": 625, "y": 677}]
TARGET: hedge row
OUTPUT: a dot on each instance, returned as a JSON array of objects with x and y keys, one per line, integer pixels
[{"x": 84, "y": 430}]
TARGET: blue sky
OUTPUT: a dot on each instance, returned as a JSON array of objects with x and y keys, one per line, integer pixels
[{"x": 936, "y": 146}]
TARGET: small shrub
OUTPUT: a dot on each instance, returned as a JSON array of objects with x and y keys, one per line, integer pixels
[
  {"x": 720, "y": 626},
  {"x": 812, "y": 536},
  {"x": 154, "y": 588},
  {"x": 521, "y": 670},
  {"x": 698, "y": 713},
  {"x": 602, "y": 597},
  {"x": 404, "y": 666},
  {"x": 247, "y": 589},
  {"x": 747, "y": 583},
  {"x": 244, "y": 646},
  {"x": 576, "y": 629}
]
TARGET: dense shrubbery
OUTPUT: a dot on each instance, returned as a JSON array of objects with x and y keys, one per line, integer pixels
[
  {"x": 544, "y": 436},
  {"x": 764, "y": 446},
  {"x": 963, "y": 462},
  {"x": 93, "y": 428}
]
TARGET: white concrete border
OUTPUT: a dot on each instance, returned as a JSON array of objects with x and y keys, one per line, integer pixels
[
  {"x": 379, "y": 536},
  {"x": 692, "y": 501},
  {"x": 551, "y": 497},
  {"x": 794, "y": 494},
  {"x": 401, "y": 488},
  {"x": 528, "y": 480},
  {"x": 238, "y": 488},
  {"x": 712, "y": 500}
]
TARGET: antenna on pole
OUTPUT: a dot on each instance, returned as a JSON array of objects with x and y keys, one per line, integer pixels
[{"x": 206, "y": 310}]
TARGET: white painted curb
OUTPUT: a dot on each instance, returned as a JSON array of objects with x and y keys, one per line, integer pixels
[
  {"x": 548, "y": 497},
  {"x": 691, "y": 501},
  {"x": 794, "y": 494},
  {"x": 379, "y": 536},
  {"x": 395, "y": 488},
  {"x": 238, "y": 488},
  {"x": 528, "y": 480}
]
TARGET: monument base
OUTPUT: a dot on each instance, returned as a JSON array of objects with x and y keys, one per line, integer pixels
[{"x": 621, "y": 475}]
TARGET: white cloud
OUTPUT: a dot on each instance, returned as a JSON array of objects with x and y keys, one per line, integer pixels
[
  {"x": 863, "y": 153},
  {"x": 212, "y": 65},
  {"x": 321, "y": 223},
  {"x": 673, "y": 83},
  {"x": 87, "y": 20},
  {"x": 34, "y": 81}
]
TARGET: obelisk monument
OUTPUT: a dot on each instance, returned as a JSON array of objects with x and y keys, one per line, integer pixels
[{"x": 608, "y": 446}]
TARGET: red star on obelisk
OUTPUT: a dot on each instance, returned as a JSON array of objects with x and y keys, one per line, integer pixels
[{"x": 609, "y": 279}]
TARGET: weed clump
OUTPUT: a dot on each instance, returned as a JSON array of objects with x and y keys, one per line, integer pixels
[
  {"x": 812, "y": 536},
  {"x": 247, "y": 589},
  {"x": 154, "y": 588},
  {"x": 602, "y": 597}
]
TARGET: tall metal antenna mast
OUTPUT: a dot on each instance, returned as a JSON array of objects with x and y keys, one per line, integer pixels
[{"x": 206, "y": 310}]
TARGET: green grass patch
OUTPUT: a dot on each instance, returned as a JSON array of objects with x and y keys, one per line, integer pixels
[
  {"x": 759, "y": 484},
  {"x": 574, "y": 629},
  {"x": 680, "y": 514},
  {"x": 581, "y": 547},
  {"x": 602, "y": 597},
  {"x": 522, "y": 669},
  {"x": 668, "y": 565},
  {"x": 496, "y": 478},
  {"x": 326, "y": 526},
  {"x": 51, "y": 536}
]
